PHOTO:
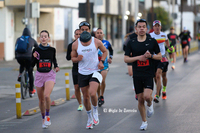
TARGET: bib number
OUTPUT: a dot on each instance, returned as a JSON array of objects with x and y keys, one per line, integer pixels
[
  {"x": 143, "y": 63},
  {"x": 44, "y": 63},
  {"x": 164, "y": 59},
  {"x": 184, "y": 42},
  {"x": 98, "y": 76}
]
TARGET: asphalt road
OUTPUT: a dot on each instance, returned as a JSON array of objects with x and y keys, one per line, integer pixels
[{"x": 178, "y": 114}]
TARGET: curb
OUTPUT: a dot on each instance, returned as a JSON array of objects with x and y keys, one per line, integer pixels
[
  {"x": 58, "y": 102},
  {"x": 32, "y": 111}
]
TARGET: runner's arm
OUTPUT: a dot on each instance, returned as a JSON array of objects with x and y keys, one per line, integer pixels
[
  {"x": 110, "y": 51},
  {"x": 103, "y": 49},
  {"x": 69, "y": 50},
  {"x": 74, "y": 54}
]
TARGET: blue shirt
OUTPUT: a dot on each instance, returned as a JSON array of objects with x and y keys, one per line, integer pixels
[{"x": 108, "y": 46}]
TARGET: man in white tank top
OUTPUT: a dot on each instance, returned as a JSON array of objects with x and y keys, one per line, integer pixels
[
  {"x": 161, "y": 66},
  {"x": 85, "y": 52}
]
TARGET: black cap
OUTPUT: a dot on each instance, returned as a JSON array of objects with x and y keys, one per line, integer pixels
[{"x": 85, "y": 36}]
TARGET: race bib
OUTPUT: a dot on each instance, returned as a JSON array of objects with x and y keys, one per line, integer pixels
[
  {"x": 98, "y": 76},
  {"x": 184, "y": 42},
  {"x": 164, "y": 59},
  {"x": 44, "y": 63},
  {"x": 143, "y": 63}
]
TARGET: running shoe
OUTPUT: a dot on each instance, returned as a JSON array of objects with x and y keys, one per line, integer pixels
[
  {"x": 136, "y": 98},
  {"x": 80, "y": 107},
  {"x": 156, "y": 99},
  {"x": 44, "y": 126},
  {"x": 32, "y": 93},
  {"x": 95, "y": 117},
  {"x": 89, "y": 124},
  {"x": 19, "y": 78},
  {"x": 100, "y": 101},
  {"x": 173, "y": 67},
  {"x": 150, "y": 110},
  {"x": 47, "y": 121},
  {"x": 144, "y": 126},
  {"x": 164, "y": 95}
]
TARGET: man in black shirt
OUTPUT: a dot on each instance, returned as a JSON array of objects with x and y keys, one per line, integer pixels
[
  {"x": 172, "y": 37},
  {"x": 185, "y": 42},
  {"x": 144, "y": 51},
  {"x": 77, "y": 33}
]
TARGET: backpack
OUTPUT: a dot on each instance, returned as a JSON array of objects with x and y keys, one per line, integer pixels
[{"x": 22, "y": 44}]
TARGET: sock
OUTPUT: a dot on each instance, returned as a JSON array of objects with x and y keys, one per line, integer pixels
[
  {"x": 95, "y": 109},
  {"x": 157, "y": 96},
  {"x": 47, "y": 112},
  {"x": 171, "y": 60},
  {"x": 164, "y": 88},
  {"x": 89, "y": 114},
  {"x": 43, "y": 115}
]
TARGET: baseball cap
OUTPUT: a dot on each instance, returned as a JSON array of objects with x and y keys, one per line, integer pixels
[
  {"x": 185, "y": 28},
  {"x": 156, "y": 22},
  {"x": 85, "y": 36}
]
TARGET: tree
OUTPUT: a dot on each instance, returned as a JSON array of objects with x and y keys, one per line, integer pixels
[{"x": 163, "y": 16}]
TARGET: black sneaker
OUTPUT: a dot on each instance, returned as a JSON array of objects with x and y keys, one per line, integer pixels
[
  {"x": 101, "y": 101},
  {"x": 19, "y": 79}
]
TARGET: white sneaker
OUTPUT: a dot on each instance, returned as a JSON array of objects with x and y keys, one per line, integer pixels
[
  {"x": 89, "y": 124},
  {"x": 47, "y": 121},
  {"x": 144, "y": 125},
  {"x": 44, "y": 126},
  {"x": 95, "y": 117},
  {"x": 150, "y": 110}
]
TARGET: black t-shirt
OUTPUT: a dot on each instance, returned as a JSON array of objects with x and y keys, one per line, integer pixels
[
  {"x": 184, "y": 37},
  {"x": 172, "y": 38},
  {"x": 142, "y": 68},
  {"x": 68, "y": 57},
  {"x": 46, "y": 58}
]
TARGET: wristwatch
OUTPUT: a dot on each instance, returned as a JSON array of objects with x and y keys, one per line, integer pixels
[
  {"x": 151, "y": 56},
  {"x": 102, "y": 61}
]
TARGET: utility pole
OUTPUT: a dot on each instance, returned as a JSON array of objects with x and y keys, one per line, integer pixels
[
  {"x": 123, "y": 22},
  {"x": 27, "y": 14},
  {"x": 181, "y": 15},
  {"x": 95, "y": 13},
  {"x": 88, "y": 11},
  {"x": 173, "y": 6},
  {"x": 152, "y": 13},
  {"x": 195, "y": 23}
]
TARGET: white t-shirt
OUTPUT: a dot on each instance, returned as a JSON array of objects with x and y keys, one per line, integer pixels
[
  {"x": 89, "y": 63},
  {"x": 161, "y": 38}
]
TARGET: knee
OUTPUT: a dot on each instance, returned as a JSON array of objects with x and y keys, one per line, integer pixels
[
  {"x": 47, "y": 97},
  {"x": 42, "y": 101},
  {"x": 86, "y": 98},
  {"x": 157, "y": 76},
  {"x": 140, "y": 100},
  {"x": 147, "y": 98}
]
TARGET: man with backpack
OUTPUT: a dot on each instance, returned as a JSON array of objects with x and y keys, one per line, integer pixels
[{"x": 23, "y": 54}]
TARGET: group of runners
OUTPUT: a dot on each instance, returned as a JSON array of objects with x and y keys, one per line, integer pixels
[{"x": 145, "y": 52}]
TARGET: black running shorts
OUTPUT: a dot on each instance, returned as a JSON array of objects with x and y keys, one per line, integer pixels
[
  {"x": 162, "y": 65},
  {"x": 141, "y": 83},
  {"x": 84, "y": 80},
  {"x": 75, "y": 77}
]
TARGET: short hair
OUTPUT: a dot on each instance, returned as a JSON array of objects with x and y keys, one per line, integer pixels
[
  {"x": 76, "y": 30},
  {"x": 140, "y": 20},
  {"x": 45, "y": 31},
  {"x": 84, "y": 23}
]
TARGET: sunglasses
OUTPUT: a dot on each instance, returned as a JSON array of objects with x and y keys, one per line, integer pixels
[
  {"x": 84, "y": 24},
  {"x": 156, "y": 21}
]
